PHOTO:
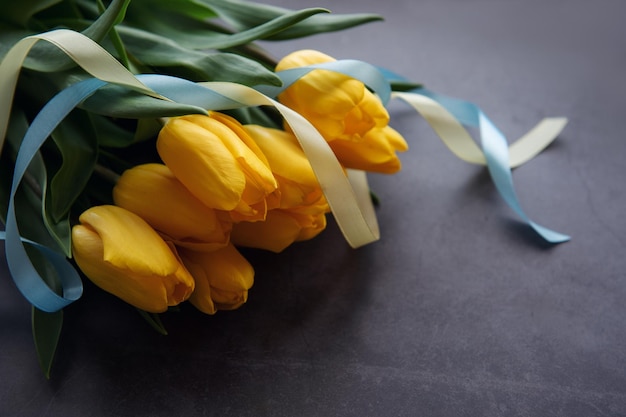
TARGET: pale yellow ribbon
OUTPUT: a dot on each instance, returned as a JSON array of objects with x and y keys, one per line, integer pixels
[{"x": 460, "y": 142}]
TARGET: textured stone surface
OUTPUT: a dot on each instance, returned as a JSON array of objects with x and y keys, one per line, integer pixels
[{"x": 458, "y": 310}]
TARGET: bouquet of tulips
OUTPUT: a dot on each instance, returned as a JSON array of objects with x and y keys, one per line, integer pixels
[
  {"x": 148, "y": 140},
  {"x": 150, "y": 198}
]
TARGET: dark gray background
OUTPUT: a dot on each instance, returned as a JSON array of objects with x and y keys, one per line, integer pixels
[{"x": 459, "y": 310}]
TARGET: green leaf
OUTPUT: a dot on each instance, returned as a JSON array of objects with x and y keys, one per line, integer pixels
[
  {"x": 46, "y": 333},
  {"x": 9, "y": 36},
  {"x": 18, "y": 125},
  {"x": 256, "y": 116},
  {"x": 154, "y": 321},
  {"x": 323, "y": 24},
  {"x": 195, "y": 34},
  {"x": 59, "y": 230},
  {"x": 31, "y": 206},
  {"x": 77, "y": 143},
  {"x": 45, "y": 57},
  {"x": 192, "y": 8},
  {"x": 6, "y": 177},
  {"x": 404, "y": 85},
  {"x": 116, "y": 101},
  {"x": 29, "y": 209},
  {"x": 29, "y": 195},
  {"x": 243, "y": 15},
  {"x": 115, "y": 135},
  {"x": 21, "y": 11},
  {"x": 109, "y": 133},
  {"x": 166, "y": 55},
  {"x": 147, "y": 129}
]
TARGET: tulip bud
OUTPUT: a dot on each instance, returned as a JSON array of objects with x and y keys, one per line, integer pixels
[
  {"x": 223, "y": 278},
  {"x": 352, "y": 120},
  {"x": 280, "y": 229},
  {"x": 153, "y": 193},
  {"x": 218, "y": 163},
  {"x": 123, "y": 255},
  {"x": 297, "y": 182}
]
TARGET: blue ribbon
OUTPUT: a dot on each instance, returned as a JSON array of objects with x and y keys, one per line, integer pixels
[
  {"x": 366, "y": 73},
  {"x": 26, "y": 277},
  {"x": 495, "y": 148}
]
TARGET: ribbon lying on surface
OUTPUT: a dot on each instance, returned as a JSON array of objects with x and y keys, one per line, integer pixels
[
  {"x": 495, "y": 153},
  {"x": 348, "y": 196}
]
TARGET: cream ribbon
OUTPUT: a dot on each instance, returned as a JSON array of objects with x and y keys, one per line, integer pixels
[{"x": 459, "y": 141}]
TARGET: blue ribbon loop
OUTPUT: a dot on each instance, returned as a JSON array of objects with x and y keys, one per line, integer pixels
[
  {"x": 26, "y": 277},
  {"x": 495, "y": 148}
]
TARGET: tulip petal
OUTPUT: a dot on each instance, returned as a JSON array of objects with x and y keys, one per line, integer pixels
[
  {"x": 285, "y": 156},
  {"x": 128, "y": 241},
  {"x": 351, "y": 118},
  {"x": 280, "y": 229},
  {"x": 143, "y": 270},
  {"x": 202, "y": 162},
  {"x": 156, "y": 195},
  {"x": 223, "y": 278},
  {"x": 242, "y": 147}
]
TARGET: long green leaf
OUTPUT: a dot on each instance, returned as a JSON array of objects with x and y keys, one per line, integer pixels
[
  {"x": 33, "y": 220},
  {"x": 21, "y": 11},
  {"x": 6, "y": 177},
  {"x": 197, "y": 34},
  {"x": 18, "y": 125},
  {"x": 46, "y": 327},
  {"x": 76, "y": 140},
  {"x": 192, "y": 8},
  {"x": 45, "y": 57},
  {"x": 115, "y": 101},
  {"x": 29, "y": 211},
  {"x": 111, "y": 134},
  {"x": 243, "y": 15},
  {"x": 166, "y": 55},
  {"x": 46, "y": 332},
  {"x": 9, "y": 36},
  {"x": 28, "y": 197}
]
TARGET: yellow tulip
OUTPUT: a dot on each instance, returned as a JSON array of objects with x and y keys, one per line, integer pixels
[
  {"x": 301, "y": 211},
  {"x": 352, "y": 120},
  {"x": 297, "y": 183},
  {"x": 218, "y": 163},
  {"x": 124, "y": 256},
  {"x": 153, "y": 193},
  {"x": 223, "y": 278},
  {"x": 280, "y": 229}
]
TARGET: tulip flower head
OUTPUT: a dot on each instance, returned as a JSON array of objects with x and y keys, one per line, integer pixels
[
  {"x": 123, "y": 255},
  {"x": 296, "y": 180},
  {"x": 223, "y": 278},
  {"x": 301, "y": 212},
  {"x": 152, "y": 192},
  {"x": 352, "y": 120},
  {"x": 218, "y": 163}
]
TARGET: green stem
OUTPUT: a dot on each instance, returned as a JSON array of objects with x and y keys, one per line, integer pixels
[
  {"x": 32, "y": 183},
  {"x": 106, "y": 173},
  {"x": 154, "y": 321}
]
